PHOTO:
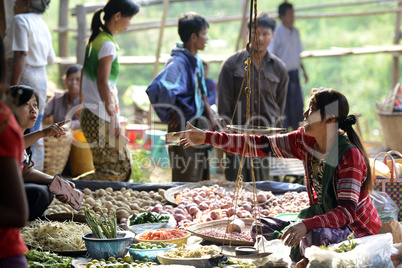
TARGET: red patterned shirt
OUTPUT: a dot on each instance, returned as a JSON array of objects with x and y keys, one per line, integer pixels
[{"x": 354, "y": 209}]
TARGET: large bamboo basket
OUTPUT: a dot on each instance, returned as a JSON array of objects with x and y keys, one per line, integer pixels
[
  {"x": 391, "y": 128},
  {"x": 56, "y": 154}
]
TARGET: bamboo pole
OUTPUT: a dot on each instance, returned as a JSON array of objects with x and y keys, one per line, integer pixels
[
  {"x": 160, "y": 39},
  {"x": 91, "y": 7},
  {"x": 229, "y": 18},
  {"x": 333, "y": 52},
  {"x": 341, "y": 51},
  {"x": 158, "y": 51},
  {"x": 82, "y": 33},
  {"x": 347, "y": 14},
  {"x": 395, "y": 58},
  {"x": 242, "y": 32},
  {"x": 63, "y": 23},
  {"x": 173, "y": 22},
  {"x": 2, "y": 19},
  {"x": 63, "y": 35},
  {"x": 346, "y": 4}
]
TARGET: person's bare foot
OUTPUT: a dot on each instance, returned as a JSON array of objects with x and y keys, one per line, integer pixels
[{"x": 302, "y": 264}]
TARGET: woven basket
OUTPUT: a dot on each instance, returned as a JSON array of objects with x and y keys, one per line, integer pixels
[
  {"x": 56, "y": 154},
  {"x": 391, "y": 128}
]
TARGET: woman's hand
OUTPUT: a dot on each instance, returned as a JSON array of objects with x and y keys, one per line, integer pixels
[
  {"x": 114, "y": 126},
  {"x": 56, "y": 130},
  {"x": 191, "y": 137},
  {"x": 294, "y": 234}
]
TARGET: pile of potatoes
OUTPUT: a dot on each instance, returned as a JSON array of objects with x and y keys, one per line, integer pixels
[{"x": 125, "y": 202}]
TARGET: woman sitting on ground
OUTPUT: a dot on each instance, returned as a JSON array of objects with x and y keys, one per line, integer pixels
[
  {"x": 58, "y": 107},
  {"x": 35, "y": 182},
  {"x": 337, "y": 172}
]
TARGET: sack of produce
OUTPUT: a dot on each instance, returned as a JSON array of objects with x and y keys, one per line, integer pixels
[
  {"x": 280, "y": 254},
  {"x": 369, "y": 251},
  {"x": 385, "y": 206}
]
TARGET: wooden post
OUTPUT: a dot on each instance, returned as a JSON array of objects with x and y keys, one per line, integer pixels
[
  {"x": 161, "y": 30},
  {"x": 3, "y": 25},
  {"x": 395, "y": 57},
  {"x": 63, "y": 33},
  {"x": 158, "y": 51},
  {"x": 82, "y": 33},
  {"x": 242, "y": 33},
  {"x": 63, "y": 24}
]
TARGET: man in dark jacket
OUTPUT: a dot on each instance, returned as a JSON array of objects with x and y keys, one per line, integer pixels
[{"x": 268, "y": 82}]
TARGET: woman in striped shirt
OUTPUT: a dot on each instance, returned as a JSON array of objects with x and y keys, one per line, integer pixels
[{"x": 337, "y": 171}]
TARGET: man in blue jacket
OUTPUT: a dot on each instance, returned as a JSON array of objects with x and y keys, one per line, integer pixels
[{"x": 178, "y": 95}]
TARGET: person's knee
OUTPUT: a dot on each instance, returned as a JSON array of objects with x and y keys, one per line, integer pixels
[{"x": 39, "y": 198}]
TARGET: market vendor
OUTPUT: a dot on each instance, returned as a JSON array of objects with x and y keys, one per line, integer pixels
[
  {"x": 58, "y": 107},
  {"x": 337, "y": 172},
  {"x": 35, "y": 182}
]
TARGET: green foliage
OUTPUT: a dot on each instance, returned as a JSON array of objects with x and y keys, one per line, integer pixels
[
  {"x": 148, "y": 217},
  {"x": 364, "y": 79},
  {"x": 344, "y": 247},
  {"x": 45, "y": 259},
  {"x": 347, "y": 247},
  {"x": 142, "y": 164}
]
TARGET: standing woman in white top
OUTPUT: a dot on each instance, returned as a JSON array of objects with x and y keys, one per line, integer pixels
[
  {"x": 100, "y": 115},
  {"x": 28, "y": 45}
]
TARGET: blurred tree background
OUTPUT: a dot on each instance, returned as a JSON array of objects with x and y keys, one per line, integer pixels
[{"x": 364, "y": 79}]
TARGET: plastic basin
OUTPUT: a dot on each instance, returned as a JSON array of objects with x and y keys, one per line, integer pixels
[
  {"x": 105, "y": 248},
  {"x": 141, "y": 254}
]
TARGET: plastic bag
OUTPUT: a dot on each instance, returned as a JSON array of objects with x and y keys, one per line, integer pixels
[
  {"x": 386, "y": 207},
  {"x": 280, "y": 254},
  {"x": 371, "y": 251}
]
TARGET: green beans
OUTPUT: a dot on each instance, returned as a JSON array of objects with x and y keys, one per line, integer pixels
[
  {"x": 104, "y": 227},
  {"x": 46, "y": 259}
]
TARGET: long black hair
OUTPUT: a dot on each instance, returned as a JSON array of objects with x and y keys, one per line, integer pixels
[
  {"x": 21, "y": 94},
  {"x": 322, "y": 98},
  {"x": 127, "y": 8}
]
